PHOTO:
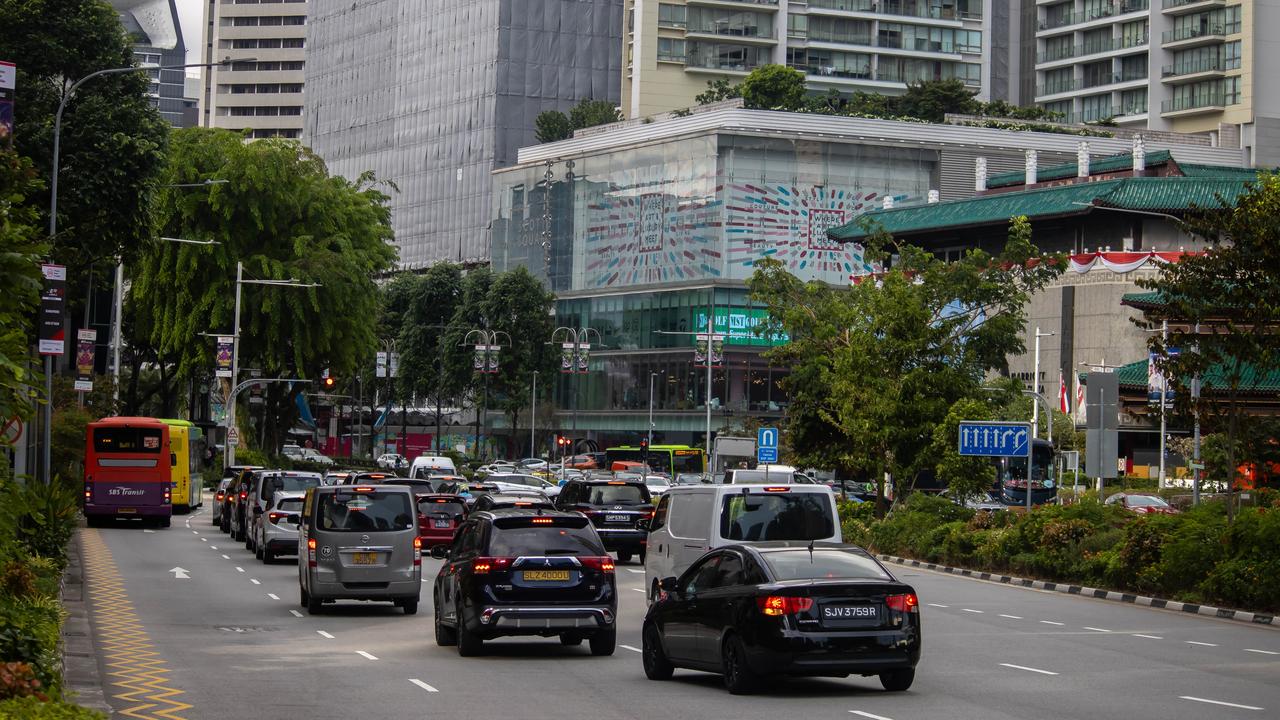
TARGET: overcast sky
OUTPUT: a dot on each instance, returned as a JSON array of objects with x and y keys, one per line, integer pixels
[{"x": 191, "y": 17}]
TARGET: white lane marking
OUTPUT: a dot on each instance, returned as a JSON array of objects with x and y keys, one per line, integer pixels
[
  {"x": 273, "y": 596},
  {"x": 1050, "y": 622},
  {"x": 930, "y": 605},
  {"x": 1261, "y": 652},
  {"x": 972, "y": 611},
  {"x": 1149, "y": 637},
  {"x": 1086, "y": 627},
  {"x": 204, "y": 539},
  {"x": 149, "y": 531},
  {"x": 254, "y": 581},
  {"x": 213, "y": 547},
  {"x": 633, "y": 570},
  {"x": 1193, "y": 642},
  {"x": 366, "y": 655},
  {"x": 1011, "y": 617},
  {"x": 422, "y": 685},
  {"x": 239, "y": 569},
  {"x": 638, "y": 589},
  {"x": 324, "y": 634},
  {"x": 632, "y": 649},
  {"x": 180, "y": 574},
  {"x": 194, "y": 532},
  {"x": 1028, "y": 669},
  {"x": 1218, "y": 702},
  {"x": 226, "y": 557},
  {"x": 296, "y": 613},
  {"x": 869, "y": 715}
]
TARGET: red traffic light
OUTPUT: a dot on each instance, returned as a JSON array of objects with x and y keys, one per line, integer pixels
[{"x": 328, "y": 383}]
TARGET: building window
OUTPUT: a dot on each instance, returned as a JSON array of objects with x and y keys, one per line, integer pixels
[
  {"x": 1231, "y": 56},
  {"x": 742, "y": 58},
  {"x": 1057, "y": 48},
  {"x": 1095, "y": 74},
  {"x": 1095, "y": 107},
  {"x": 1133, "y": 34},
  {"x": 289, "y": 65},
  {"x": 1231, "y": 91},
  {"x": 1133, "y": 67},
  {"x": 1056, "y": 81},
  {"x": 1063, "y": 107},
  {"x": 853, "y": 32},
  {"x": 831, "y": 63},
  {"x": 1096, "y": 41},
  {"x": 797, "y": 25},
  {"x": 670, "y": 50},
  {"x": 1230, "y": 19},
  {"x": 730, "y": 22},
  {"x": 1133, "y": 102},
  {"x": 671, "y": 15}
]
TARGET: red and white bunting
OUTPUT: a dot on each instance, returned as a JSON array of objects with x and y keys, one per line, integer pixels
[{"x": 1121, "y": 262}]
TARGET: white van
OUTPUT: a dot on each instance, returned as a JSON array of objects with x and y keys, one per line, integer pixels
[
  {"x": 424, "y": 465},
  {"x": 691, "y": 520}
]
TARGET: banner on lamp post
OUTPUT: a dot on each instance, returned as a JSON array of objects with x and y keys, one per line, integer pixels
[
  {"x": 1157, "y": 381},
  {"x": 584, "y": 358},
  {"x": 708, "y": 350},
  {"x": 493, "y": 359},
  {"x": 479, "y": 362},
  {"x": 52, "y": 302},
  {"x": 568, "y": 357},
  {"x": 393, "y": 364},
  {"x": 85, "y": 340},
  {"x": 225, "y": 348},
  {"x": 380, "y": 365}
]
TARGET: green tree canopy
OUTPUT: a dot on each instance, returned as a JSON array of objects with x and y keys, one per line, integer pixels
[
  {"x": 773, "y": 87},
  {"x": 284, "y": 217},
  {"x": 878, "y": 366},
  {"x": 20, "y": 276},
  {"x": 554, "y": 125},
  {"x": 932, "y": 100},
  {"x": 431, "y": 308},
  {"x": 551, "y": 126},
  {"x": 112, "y": 140}
]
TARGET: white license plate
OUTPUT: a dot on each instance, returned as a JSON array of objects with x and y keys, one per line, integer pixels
[
  {"x": 443, "y": 523},
  {"x": 617, "y": 518}
]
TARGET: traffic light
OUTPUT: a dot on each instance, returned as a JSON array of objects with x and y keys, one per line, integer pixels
[{"x": 326, "y": 380}]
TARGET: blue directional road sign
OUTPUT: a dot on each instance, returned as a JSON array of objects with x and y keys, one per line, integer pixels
[
  {"x": 767, "y": 445},
  {"x": 994, "y": 439}
]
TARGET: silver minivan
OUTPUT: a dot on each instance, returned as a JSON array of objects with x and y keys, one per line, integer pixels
[{"x": 359, "y": 542}]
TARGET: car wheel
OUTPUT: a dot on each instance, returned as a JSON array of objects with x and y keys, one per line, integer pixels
[
  {"x": 313, "y": 605},
  {"x": 654, "y": 592},
  {"x": 739, "y": 678},
  {"x": 166, "y": 522},
  {"x": 603, "y": 642},
  {"x": 267, "y": 556},
  {"x": 657, "y": 666},
  {"x": 410, "y": 606},
  {"x": 469, "y": 644},
  {"x": 445, "y": 635},
  {"x": 898, "y": 680},
  {"x": 570, "y": 639},
  {"x": 624, "y": 557},
  {"x": 258, "y": 552},
  {"x": 303, "y": 598},
  {"x": 642, "y": 554},
  {"x": 214, "y": 521}
]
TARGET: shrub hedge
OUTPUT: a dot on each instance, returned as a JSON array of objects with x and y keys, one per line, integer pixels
[{"x": 1193, "y": 556}]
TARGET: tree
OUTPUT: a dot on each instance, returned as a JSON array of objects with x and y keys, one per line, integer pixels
[
  {"x": 1232, "y": 292},
  {"x": 882, "y": 363},
  {"x": 460, "y": 380},
  {"x": 931, "y": 100},
  {"x": 551, "y": 126},
  {"x": 283, "y": 217},
  {"x": 424, "y": 327},
  {"x": 112, "y": 140},
  {"x": 20, "y": 276},
  {"x": 590, "y": 113},
  {"x": 519, "y": 305},
  {"x": 718, "y": 90},
  {"x": 773, "y": 87}
]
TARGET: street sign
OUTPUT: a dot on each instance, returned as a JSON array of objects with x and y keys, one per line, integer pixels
[
  {"x": 233, "y": 436},
  {"x": 767, "y": 437},
  {"x": 1195, "y": 465},
  {"x": 767, "y": 455},
  {"x": 994, "y": 439},
  {"x": 1102, "y": 421}
]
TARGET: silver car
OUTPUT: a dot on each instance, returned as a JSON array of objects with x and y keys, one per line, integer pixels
[
  {"x": 278, "y": 531},
  {"x": 359, "y": 542},
  {"x": 216, "y": 514}
]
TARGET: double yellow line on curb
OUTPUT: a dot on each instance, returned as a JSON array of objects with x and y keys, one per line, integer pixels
[{"x": 136, "y": 673}]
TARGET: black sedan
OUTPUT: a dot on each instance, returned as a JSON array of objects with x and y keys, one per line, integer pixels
[{"x": 785, "y": 608}]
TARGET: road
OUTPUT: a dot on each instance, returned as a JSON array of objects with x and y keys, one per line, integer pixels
[{"x": 230, "y": 640}]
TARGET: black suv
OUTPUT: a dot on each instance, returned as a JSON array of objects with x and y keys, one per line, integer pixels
[
  {"x": 525, "y": 572},
  {"x": 615, "y": 508}
]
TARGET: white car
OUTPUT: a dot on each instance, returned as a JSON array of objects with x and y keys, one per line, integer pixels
[
  {"x": 392, "y": 461},
  {"x": 291, "y": 451},
  {"x": 657, "y": 484},
  {"x": 509, "y": 481},
  {"x": 312, "y": 455}
]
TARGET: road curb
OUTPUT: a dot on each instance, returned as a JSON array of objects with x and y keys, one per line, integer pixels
[
  {"x": 81, "y": 675},
  {"x": 1112, "y": 595}
]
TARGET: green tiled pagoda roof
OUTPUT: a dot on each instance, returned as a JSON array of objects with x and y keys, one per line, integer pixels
[
  {"x": 1134, "y": 375},
  {"x": 1152, "y": 194},
  {"x": 1110, "y": 163},
  {"x": 1143, "y": 299}
]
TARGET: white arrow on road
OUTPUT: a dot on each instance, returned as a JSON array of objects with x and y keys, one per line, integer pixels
[{"x": 180, "y": 574}]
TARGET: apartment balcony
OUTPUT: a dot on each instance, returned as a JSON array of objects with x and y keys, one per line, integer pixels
[
  {"x": 888, "y": 9},
  {"x": 828, "y": 72},
  {"x": 1103, "y": 13},
  {"x": 759, "y": 5},
  {"x": 1186, "y": 7},
  {"x": 1191, "y": 37},
  {"x": 1056, "y": 88},
  {"x": 1110, "y": 45},
  {"x": 1198, "y": 105},
  {"x": 1189, "y": 72},
  {"x": 722, "y": 31}
]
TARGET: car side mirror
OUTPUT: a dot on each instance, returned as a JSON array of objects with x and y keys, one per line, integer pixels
[
  {"x": 439, "y": 552},
  {"x": 667, "y": 585}
]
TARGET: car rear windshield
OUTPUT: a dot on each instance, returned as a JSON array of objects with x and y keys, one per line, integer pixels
[
  {"x": 800, "y": 564},
  {"x": 782, "y": 516},
  {"x": 444, "y": 508},
  {"x": 617, "y": 495},
  {"x": 742, "y": 477},
  {"x": 289, "y": 483},
  {"x": 290, "y": 505},
  {"x": 1146, "y": 500},
  {"x": 559, "y": 539},
  {"x": 351, "y": 511}
]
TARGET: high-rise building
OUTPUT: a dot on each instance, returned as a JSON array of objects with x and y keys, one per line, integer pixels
[
  {"x": 261, "y": 90},
  {"x": 674, "y": 47},
  {"x": 1189, "y": 66},
  {"x": 157, "y": 42},
  {"x": 434, "y": 94}
]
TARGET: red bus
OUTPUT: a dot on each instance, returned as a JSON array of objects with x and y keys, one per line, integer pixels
[{"x": 127, "y": 470}]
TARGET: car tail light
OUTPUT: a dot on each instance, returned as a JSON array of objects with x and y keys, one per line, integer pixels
[
  {"x": 776, "y": 605},
  {"x": 311, "y": 552},
  {"x": 167, "y": 496},
  {"x": 903, "y": 603},
  {"x": 483, "y": 565},
  {"x": 777, "y": 488},
  {"x": 274, "y": 517},
  {"x": 218, "y": 497},
  {"x": 243, "y": 494},
  {"x": 417, "y": 552},
  {"x": 604, "y": 563},
  {"x": 542, "y": 520}
]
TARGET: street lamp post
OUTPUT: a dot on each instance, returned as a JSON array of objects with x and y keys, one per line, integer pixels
[
  {"x": 488, "y": 339},
  {"x": 711, "y": 336},
  {"x": 580, "y": 338},
  {"x": 533, "y": 416},
  {"x": 229, "y": 453},
  {"x": 652, "y": 376}
]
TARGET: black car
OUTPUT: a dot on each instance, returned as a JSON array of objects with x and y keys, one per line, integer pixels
[
  {"x": 420, "y": 487},
  {"x": 237, "y": 473},
  {"x": 509, "y": 499},
  {"x": 522, "y": 572},
  {"x": 784, "y": 608},
  {"x": 616, "y": 508}
]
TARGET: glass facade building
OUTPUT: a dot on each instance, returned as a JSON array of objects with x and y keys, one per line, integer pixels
[
  {"x": 432, "y": 95},
  {"x": 642, "y": 241},
  {"x": 156, "y": 33}
]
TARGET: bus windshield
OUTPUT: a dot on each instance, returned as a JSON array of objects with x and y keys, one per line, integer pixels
[{"x": 126, "y": 440}]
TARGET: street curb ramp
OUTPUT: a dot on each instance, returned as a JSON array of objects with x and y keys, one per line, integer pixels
[
  {"x": 81, "y": 674},
  {"x": 1068, "y": 589}
]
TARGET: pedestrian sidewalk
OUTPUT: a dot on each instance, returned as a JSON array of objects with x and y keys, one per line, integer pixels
[{"x": 82, "y": 676}]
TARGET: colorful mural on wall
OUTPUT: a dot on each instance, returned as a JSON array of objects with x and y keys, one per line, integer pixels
[{"x": 652, "y": 237}]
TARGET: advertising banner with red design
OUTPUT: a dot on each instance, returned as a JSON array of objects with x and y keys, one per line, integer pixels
[
  {"x": 85, "y": 347},
  {"x": 52, "y": 301}
]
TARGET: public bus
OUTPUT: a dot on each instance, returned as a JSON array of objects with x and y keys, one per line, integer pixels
[
  {"x": 669, "y": 459},
  {"x": 186, "y": 442},
  {"x": 128, "y": 465}
]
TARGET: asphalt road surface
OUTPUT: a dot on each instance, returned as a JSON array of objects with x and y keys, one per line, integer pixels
[{"x": 229, "y": 640}]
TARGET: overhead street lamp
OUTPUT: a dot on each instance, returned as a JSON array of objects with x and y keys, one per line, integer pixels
[
  {"x": 53, "y": 231},
  {"x": 488, "y": 339},
  {"x": 579, "y": 338}
]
